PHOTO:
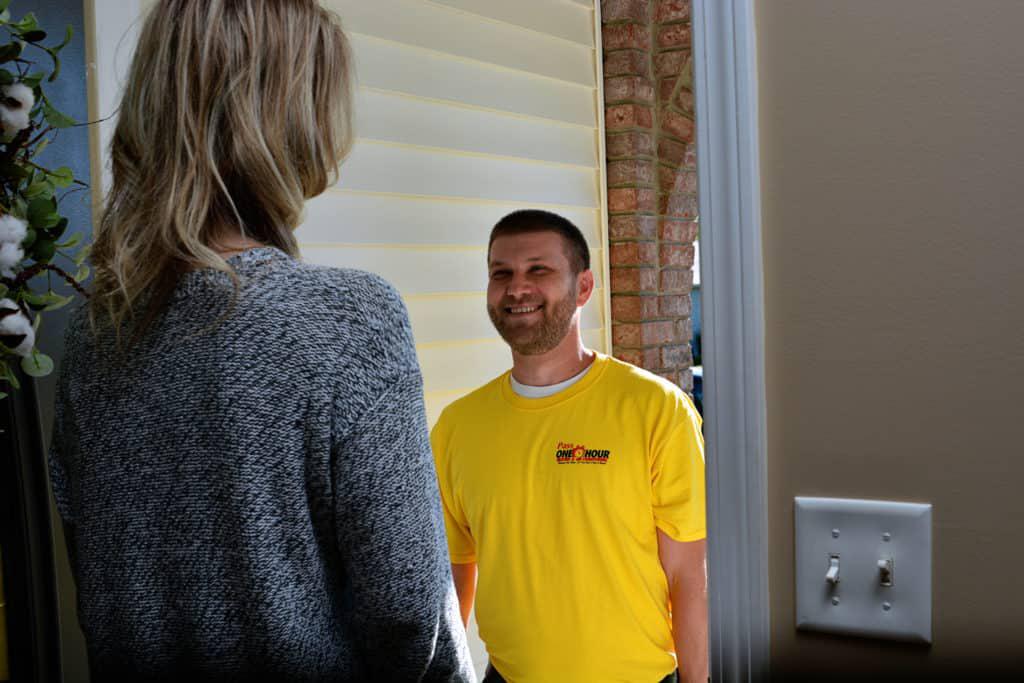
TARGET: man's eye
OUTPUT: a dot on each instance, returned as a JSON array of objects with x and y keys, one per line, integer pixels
[
  {"x": 498, "y": 274},
  {"x": 539, "y": 269}
]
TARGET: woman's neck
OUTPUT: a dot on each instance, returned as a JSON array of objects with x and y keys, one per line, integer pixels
[{"x": 234, "y": 243}]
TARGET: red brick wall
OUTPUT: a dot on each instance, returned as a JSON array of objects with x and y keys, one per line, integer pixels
[{"x": 652, "y": 181}]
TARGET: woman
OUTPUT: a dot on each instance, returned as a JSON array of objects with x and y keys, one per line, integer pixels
[{"x": 240, "y": 453}]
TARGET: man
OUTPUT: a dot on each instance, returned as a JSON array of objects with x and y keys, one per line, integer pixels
[{"x": 573, "y": 486}]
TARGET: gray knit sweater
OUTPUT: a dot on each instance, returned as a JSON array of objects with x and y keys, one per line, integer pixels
[{"x": 256, "y": 500}]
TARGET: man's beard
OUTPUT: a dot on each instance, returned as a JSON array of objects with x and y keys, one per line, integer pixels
[{"x": 539, "y": 337}]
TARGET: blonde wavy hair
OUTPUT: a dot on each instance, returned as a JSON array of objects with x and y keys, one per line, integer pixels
[{"x": 235, "y": 113}]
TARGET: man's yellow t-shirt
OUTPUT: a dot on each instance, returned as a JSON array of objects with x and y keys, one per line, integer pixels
[{"x": 557, "y": 500}]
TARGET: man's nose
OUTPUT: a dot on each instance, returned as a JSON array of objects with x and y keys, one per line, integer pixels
[{"x": 518, "y": 286}]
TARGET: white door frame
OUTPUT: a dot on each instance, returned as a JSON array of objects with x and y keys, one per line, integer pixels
[
  {"x": 111, "y": 29},
  {"x": 725, "y": 78}
]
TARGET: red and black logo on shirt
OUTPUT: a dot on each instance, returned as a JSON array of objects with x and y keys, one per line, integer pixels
[{"x": 578, "y": 454}]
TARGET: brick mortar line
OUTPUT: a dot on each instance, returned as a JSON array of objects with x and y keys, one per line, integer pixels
[
  {"x": 669, "y": 50},
  {"x": 632, "y": 129},
  {"x": 670, "y": 136},
  {"x": 637, "y": 102},
  {"x": 652, "y": 320},
  {"x": 673, "y": 167},
  {"x": 681, "y": 112}
]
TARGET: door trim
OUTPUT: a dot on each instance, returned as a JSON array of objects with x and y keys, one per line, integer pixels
[{"x": 725, "y": 77}]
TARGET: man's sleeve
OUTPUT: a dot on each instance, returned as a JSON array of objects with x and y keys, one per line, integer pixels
[
  {"x": 677, "y": 478},
  {"x": 461, "y": 546}
]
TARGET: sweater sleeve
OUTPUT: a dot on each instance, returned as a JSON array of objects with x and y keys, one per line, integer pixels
[{"x": 404, "y": 616}]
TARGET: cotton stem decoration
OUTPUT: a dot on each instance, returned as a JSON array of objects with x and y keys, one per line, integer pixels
[{"x": 35, "y": 251}]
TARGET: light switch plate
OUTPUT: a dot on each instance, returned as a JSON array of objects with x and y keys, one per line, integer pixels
[{"x": 863, "y": 533}]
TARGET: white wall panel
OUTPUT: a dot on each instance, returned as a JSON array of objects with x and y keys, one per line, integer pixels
[
  {"x": 391, "y": 66},
  {"x": 562, "y": 19},
  {"x": 360, "y": 217},
  {"x": 379, "y": 167},
  {"x": 443, "y": 29},
  {"x": 415, "y": 121}
]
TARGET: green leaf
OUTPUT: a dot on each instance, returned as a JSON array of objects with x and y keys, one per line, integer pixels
[
  {"x": 73, "y": 242},
  {"x": 9, "y": 51},
  {"x": 42, "y": 213},
  {"x": 62, "y": 177},
  {"x": 43, "y": 251},
  {"x": 2, "y": 395},
  {"x": 34, "y": 79},
  {"x": 69, "y": 33},
  {"x": 40, "y": 188},
  {"x": 50, "y": 301},
  {"x": 30, "y": 238},
  {"x": 27, "y": 23},
  {"x": 59, "y": 302},
  {"x": 33, "y": 36},
  {"x": 4, "y": 4},
  {"x": 83, "y": 273},
  {"x": 36, "y": 301},
  {"x": 37, "y": 365},
  {"x": 6, "y": 77},
  {"x": 83, "y": 253},
  {"x": 56, "y": 118},
  {"x": 3, "y": 290}
]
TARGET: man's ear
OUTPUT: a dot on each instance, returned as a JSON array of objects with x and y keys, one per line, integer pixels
[{"x": 584, "y": 287}]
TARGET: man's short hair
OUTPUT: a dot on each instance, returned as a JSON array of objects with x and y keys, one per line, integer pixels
[{"x": 535, "y": 220}]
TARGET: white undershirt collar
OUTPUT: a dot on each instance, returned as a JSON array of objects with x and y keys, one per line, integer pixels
[{"x": 527, "y": 391}]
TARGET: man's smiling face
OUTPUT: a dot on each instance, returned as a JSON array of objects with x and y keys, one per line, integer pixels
[{"x": 531, "y": 291}]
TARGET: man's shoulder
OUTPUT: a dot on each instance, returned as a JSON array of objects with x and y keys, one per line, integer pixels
[
  {"x": 641, "y": 382},
  {"x": 658, "y": 395}
]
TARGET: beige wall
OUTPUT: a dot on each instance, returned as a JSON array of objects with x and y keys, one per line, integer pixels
[{"x": 893, "y": 190}]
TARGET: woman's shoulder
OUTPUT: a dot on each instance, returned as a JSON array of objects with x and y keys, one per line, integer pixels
[
  {"x": 368, "y": 310},
  {"x": 369, "y": 294}
]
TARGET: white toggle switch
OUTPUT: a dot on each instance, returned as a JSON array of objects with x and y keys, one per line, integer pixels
[
  {"x": 832, "y": 575},
  {"x": 885, "y": 572},
  {"x": 872, "y": 536}
]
